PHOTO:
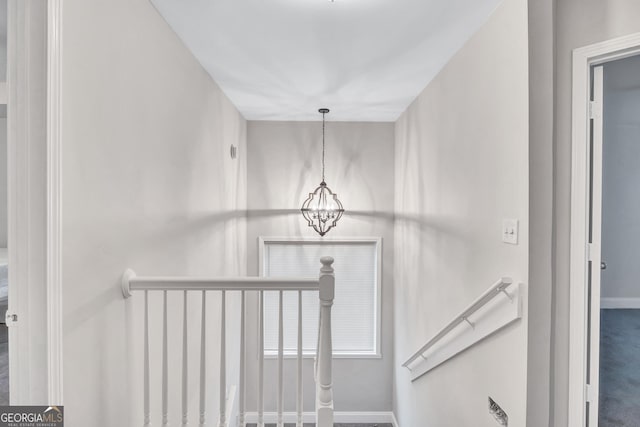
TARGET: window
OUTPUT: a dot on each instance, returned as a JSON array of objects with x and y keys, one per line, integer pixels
[{"x": 355, "y": 314}]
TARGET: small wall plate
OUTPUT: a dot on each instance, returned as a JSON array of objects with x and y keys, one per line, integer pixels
[{"x": 510, "y": 231}]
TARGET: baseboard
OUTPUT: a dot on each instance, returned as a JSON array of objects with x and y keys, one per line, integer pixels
[
  {"x": 338, "y": 417},
  {"x": 394, "y": 420},
  {"x": 620, "y": 303}
]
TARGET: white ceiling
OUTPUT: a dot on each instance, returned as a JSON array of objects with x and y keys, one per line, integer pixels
[{"x": 366, "y": 60}]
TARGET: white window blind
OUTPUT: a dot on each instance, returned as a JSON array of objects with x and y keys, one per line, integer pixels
[{"x": 355, "y": 310}]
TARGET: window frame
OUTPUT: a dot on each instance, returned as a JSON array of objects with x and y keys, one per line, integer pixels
[{"x": 377, "y": 241}]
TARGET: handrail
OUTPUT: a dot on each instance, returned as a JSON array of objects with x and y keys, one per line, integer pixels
[
  {"x": 130, "y": 282},
  {"x": 497, "y": 288},
  {"x": 324, "y": 284}
]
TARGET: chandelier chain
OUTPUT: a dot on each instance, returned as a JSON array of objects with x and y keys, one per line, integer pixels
[{"x": 323, "y": 146}]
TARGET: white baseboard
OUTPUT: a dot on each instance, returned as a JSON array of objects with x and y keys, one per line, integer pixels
[
  {"x": 620, "y": 303},
  {"x": 394, "y": 421},
  {"x": 338, "y": 417}
]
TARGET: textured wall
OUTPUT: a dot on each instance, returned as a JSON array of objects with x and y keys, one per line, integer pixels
[
  {"x": 148, "y": 184},
  {"x": 461, "y": 167}
]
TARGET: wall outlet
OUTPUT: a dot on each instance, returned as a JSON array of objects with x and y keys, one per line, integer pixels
[{"x": 510, "y": 231}]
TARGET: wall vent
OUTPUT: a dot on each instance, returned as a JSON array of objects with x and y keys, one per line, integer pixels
[{"x": 498, "y": 413}]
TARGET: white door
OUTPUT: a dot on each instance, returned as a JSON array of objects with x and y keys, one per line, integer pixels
[
  {"x": 35, "y": 338},
  {"x": 594, "y": 250}
]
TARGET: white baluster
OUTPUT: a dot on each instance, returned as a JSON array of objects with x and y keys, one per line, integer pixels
[
  {"x": 223, "y": 361},
  {"x": 147, "y": 415},
  {"x": 185, "y": 368},
  {"x": 324, "y": 392},
  {"x": 280, "y": 361},
  {"x": 261, "y": 361},
  {"x": 241, "y": 394},
  {"x": 315, "y": 359},
  {"x": 165, "y": 365},
  {"x": 203, "y": 352},
  {"x": 299, "y": 391}
]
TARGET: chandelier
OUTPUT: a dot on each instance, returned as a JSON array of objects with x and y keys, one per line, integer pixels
[{"x": 322, "y": 209}]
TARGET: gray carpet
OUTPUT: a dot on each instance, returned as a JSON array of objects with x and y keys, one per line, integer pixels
[
  {"x": 619, "y": 368},
  {"x": 335, "y": 425}
]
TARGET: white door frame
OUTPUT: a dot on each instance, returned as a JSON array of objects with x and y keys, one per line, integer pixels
[
  {"x": 35, "y": 248},
  {"x": 583, "y": 59},
  {"x": 54, "y": 201}
]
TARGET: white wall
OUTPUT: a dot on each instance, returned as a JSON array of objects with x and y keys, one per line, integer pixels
[
  {"x": 3, "y": 183},
  {"x": 148, "y": 184},
  {"x": 578, "y": 23},
  {"x": 621, "y": 180},
  {"x": 461, "y": 167},
  {"x": 283, "y": 167},
  {"x": 541, "y": 128},
  {"x": 3, "y": 127},
  {"x": 3, "y": 40}
]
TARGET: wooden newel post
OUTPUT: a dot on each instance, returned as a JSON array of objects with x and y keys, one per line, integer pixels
[{"x": 324, "y": 392}]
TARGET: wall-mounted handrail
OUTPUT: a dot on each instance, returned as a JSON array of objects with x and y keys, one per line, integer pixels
[
  {"x": 130, "y": 282},
  {"x": 499, "y": 287}
]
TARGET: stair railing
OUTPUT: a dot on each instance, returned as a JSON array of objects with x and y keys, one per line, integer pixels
[{"x": 325, "y": 284}]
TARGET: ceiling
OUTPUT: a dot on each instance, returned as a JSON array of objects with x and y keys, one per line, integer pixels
[{"x": 366, "y": 60}]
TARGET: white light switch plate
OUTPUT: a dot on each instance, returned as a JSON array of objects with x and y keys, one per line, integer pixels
[{"x": 510, "y": 231}]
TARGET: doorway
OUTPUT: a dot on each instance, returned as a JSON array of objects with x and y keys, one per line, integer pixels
[
  {"x": 619, "y": 378},
  {"x": 603, "y": 390}
]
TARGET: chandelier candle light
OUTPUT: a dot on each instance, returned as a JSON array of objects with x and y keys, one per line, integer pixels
[{"x": 322, "y": 209}]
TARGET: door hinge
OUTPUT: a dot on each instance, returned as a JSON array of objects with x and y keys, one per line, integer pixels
[
  {"x": 595, "y": 109},
  {"x": 590, "y": 393},
  {"x": 589, "y": 251},
  {"x": 10, "y": 319}
]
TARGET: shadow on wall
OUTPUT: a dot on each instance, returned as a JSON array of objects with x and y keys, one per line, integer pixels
[
  {"x": 446, "y": 224},
  {"x": 422, "y": 223}
]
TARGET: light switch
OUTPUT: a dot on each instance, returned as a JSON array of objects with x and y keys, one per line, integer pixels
[{"x": 510, "y": 231}]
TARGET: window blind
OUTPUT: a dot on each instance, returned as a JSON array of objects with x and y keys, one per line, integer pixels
[{"x": 354, "y": 312}]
